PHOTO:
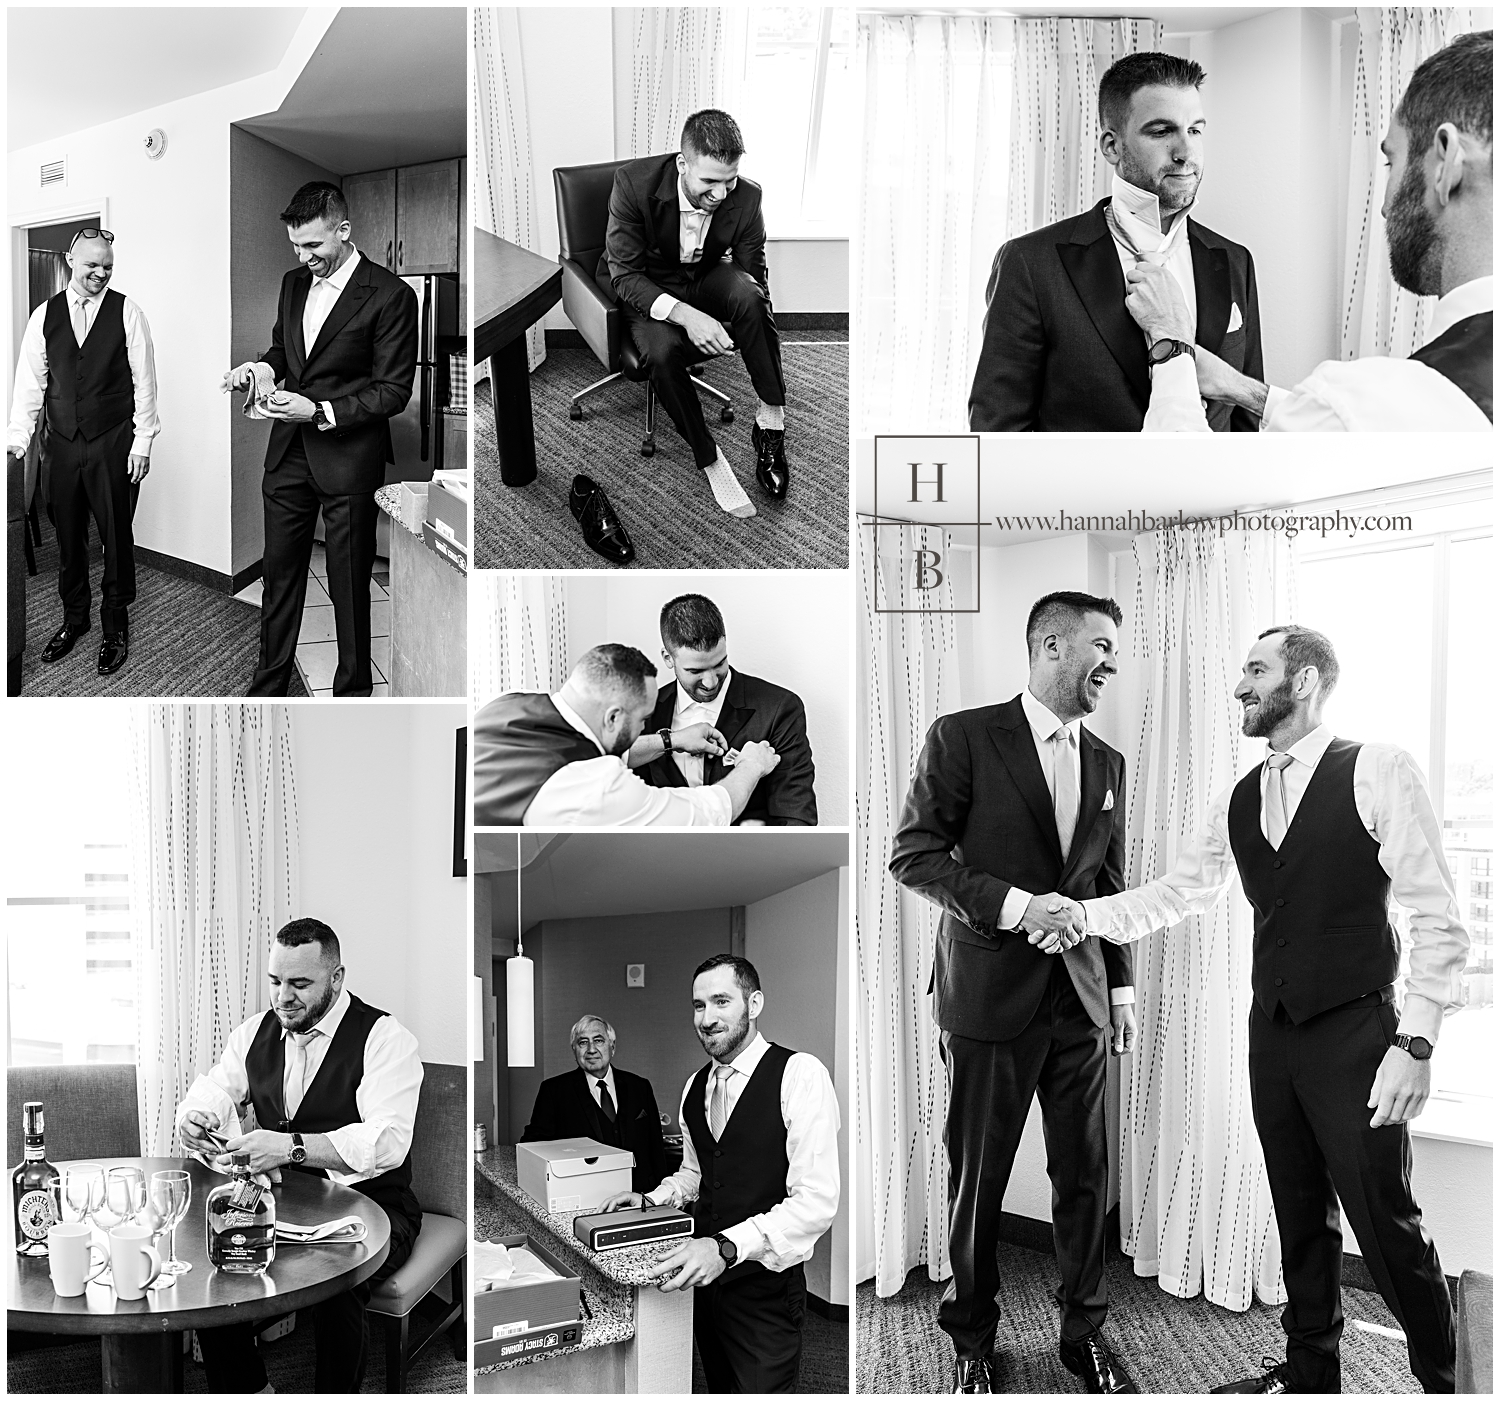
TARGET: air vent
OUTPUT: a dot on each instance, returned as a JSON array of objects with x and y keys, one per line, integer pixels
[{"x": 55, "y": 173}]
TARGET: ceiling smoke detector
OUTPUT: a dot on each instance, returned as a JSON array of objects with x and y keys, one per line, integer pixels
[{"x": 156, "y": 143}]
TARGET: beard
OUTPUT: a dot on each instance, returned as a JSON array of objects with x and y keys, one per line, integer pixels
[
  {"x": 1171, "y": 195},
  {"x": 1412, "y": 238},
  {"x": 723, "y": 1044},
  {"x": 313, "y": 1013},
  {"x": 1086, "y": 695},
  {"x": 1271, "y": 711}
]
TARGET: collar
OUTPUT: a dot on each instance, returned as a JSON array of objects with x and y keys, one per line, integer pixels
[
  {"x": 1467, "y": 299},
  {"x": 340, "y": 279},
  {"x": 82, "y": 298},
  {"x": 608, "y": 1078},
  {"x": 745, "y": 1063},
  {"x": 713, "y": 708},
  {"x": 1044, "y": 724},
  {"x": 575, "y": 720},
  {"x": 1143, "y": 207},
  {"x": 1312, "y": 746},
  {"x": 684, "y": 204},
  {"x": 330, "y": 1021}
]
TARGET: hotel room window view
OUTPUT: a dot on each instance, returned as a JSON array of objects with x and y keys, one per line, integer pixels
[{"x": 595, "y": 811}]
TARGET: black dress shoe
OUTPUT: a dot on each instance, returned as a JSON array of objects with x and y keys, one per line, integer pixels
[
  {"x": 112, "y": 653},
  {"x": 771, "y": 470},
  {"x": 603, "y": 532},
  {"x": 61, "y": 641},
  {"x": 1094, "y": 1360},
  {"x": 972, "y": 1376},
  {"x": 1274, "y": 1381}
]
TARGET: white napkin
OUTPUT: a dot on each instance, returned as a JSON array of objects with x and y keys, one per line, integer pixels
[
  {"x": 346, "y": 1230},
  {"x": 501, "y": 1267}
]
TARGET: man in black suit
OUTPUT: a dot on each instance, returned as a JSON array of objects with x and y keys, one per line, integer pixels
[
  {"x": 344, "y": 349},
  {"x": 601, "y": 1102},
  {"x": 737, "y": 709},
  {"x": 1061, "y": 353},
  {"x": 685, "y": 254},
  {"x": 1008, "y": 800}
]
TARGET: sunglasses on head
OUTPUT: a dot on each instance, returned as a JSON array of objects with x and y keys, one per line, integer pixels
[{"x": 91, "y": 233}]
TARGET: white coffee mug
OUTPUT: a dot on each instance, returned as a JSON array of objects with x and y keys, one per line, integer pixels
[
  {"x": 70, "y": 1247},
  {"x": 133, "y": 1259}
]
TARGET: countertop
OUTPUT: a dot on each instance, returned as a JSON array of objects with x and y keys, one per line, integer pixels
[{"x": 388, "y": 498}]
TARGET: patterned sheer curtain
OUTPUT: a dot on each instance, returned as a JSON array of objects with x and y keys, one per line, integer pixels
[
  {"x": 1378, "y": 317},
  {"x": 522, "y": 640},
  {"x": 908, "y": 676},
  {"x": 672, "y": 61},
  {"x": 215, "y": 853},
  {"x": 504, "y": 190},
  {"x": 1195, "y": 1209}
]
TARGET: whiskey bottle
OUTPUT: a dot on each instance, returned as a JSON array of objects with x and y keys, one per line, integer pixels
[
  {"x": 240, "y": 1221},
  {"x": 29, "y": 1194}
]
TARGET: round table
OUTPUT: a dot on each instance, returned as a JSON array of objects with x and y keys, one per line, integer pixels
[{"x": 142, "y": 1343}]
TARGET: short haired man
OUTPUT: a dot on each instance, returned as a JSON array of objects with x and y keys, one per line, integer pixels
[
  {"x": 560, "y": 760},
  {"x": 1439, "y": 214},
  {"x": 1008, "y": 800},
  {"x": 602, "y": 1102},
  {"x": 1322, "y": 836},
  {"x": 765, "y": 1121},
  {"x": 683, "y": 280},
  {"x": 737, "y": 708},
  {"x": 86, "y": 355},
  {"x": 333, "y": 1085},
  {"x": 1060, "y": 350},
  {"x": 344, "y": 349}
]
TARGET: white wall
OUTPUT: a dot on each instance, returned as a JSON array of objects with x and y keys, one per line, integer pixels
[
  {"x": 786, "y": 626},
  {"x": 375, "y": 810}
]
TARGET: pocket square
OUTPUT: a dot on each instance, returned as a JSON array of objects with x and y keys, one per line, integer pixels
[
  {"x": 1109, "y": 801},
  {"x": 1236, "y": 321}
]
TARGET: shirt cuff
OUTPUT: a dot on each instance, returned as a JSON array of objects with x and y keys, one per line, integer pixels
[
  {"x": 141, "y": 447},
  {"x": 748, "y": 1241},
  {"x": 1275, "y": 398},
  {"x": 1121, "y": 997},
  {"x": 661, "y": 308},
  {"x": 1013, "y": 908},
  {"x": 1419, "y": 1017},
  {"x": 13, "y": 444},
  {"x": 328, "y": 414},
  {"x": 357, "y": 1146}
]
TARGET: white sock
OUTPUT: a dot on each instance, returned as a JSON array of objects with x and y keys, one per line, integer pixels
[
  {"x": 770, "y": 416},
  {"x": 726, "y": 489}
]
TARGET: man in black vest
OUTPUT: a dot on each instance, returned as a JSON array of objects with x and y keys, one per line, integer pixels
[
  {"x": 87, "y": 355},
  {"x": 602, "y": 1102},
  {"x": 760, "y": 1172},
  {"x": 1323, "y": 835},
  {"x": 333, "y": 1085}
]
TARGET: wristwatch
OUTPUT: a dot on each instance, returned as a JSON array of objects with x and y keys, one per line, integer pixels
[
  {"x": 319, "y": 418},
  {"x": 299, "y": 1152},
  {"x": 1417, "y": 1047},
  {"x": 728, "y": 1251},
  {"x": 1165, "y": 350},
  {"x": 665, "y": 736}
]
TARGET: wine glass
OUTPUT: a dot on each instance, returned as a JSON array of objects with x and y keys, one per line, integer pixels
[
  {"x": 125, "y": 1193},
  {"x": 171, "y": 1192}
]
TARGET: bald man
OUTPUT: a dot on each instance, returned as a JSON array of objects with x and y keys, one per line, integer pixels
[
  {"x": 86, "y": 354},
  {"x": 567, "y": 760}
]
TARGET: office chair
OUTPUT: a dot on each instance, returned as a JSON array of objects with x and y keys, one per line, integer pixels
[{"x": 582, "y": 217}]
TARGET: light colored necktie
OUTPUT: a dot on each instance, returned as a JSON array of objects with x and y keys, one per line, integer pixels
[
  {"x": 296, "y": 1081},
  {"x": 1064, "y": 789},
  {"x": 312, "y": 316},
  {"x": 1278, "y": 816},
  {"x": 718, "y": 1101},
  {"x": 80, "y": 321}
]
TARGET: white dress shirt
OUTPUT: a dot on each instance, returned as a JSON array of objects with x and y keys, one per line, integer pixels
[
  {"x": 1374, "y": 394},
  {"x": 603, "y": 792},
  {"x": 607, "y": 1079},
  {"x": 1139, "y": 214},
  {"x": 686, "y": 711},
  {"x": 386, "y": 1096},
  {"x": 785, "y": 1235},
  {"x": 1390, "y": 796},
  {"x": 1044, "y": 724},
  {"x": 692, "y": 234},
  {"x": 31, "y": 372},
  {"x": 321, "y": 299}
]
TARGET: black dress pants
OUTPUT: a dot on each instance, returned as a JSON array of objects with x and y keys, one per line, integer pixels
[
  {"x": 729, "y": 295},
  {"x": 1309, "y": 1085},
  {"x": 89, "y": 478},
  {"x": 292, "y": 499},
  {"x": 232, "y": 1360},
  {"x": 1061, "y": 1057},
  {"x": 748, "y": 1327}
]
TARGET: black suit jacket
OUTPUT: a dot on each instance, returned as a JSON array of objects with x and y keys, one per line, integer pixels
[
  {"x": 978, "y": 820},
  {"x": 363, "y": 362},
  {"x": 641, "y": 258},
  {"x": 565, "y": 1108},
  {"x": 1061, "y": 353},
  {"x": 753, "y": 709}
]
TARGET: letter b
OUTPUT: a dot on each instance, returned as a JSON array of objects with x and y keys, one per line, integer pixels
[{"x": 924, "y": 568}]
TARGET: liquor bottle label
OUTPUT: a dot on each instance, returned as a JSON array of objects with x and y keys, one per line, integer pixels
[
  {"x": 34, "y": 1214},
  {"x": 247, "y": 1194}
]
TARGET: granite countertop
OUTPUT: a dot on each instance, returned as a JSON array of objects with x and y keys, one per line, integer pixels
[
  {"x": 388, "y": 498},
  {"x": 610, "y": 1317}
]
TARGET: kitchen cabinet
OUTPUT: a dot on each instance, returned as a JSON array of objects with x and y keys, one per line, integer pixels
[
  {"x": 463, "y": 247},
  {"x": 371, "y": 198},
  {"x": 427, "y": 218}
]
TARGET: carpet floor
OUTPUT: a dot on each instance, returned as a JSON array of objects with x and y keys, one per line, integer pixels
[
  {"x": 825, "y": 1359},
  {"x": 186, "y": 639},
  {"x": 1171, "y": 1346},
  {"x": 664, "y": 500}
]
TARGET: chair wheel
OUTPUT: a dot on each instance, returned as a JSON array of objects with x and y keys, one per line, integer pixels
[
  {"x": 726, "y": 414},
  {"x": 648, "y": 447},
  {"x": 575, "y": 412}
]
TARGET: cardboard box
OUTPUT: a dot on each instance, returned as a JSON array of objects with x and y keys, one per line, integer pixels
[
  {"x": 448, "y": 513},
  {"x": 512, "y": 1313},
  {"x": 413, "y": 505},
  {"x": 572, "y": 1174},
  {"x": 451, "y": 554},
  {"x": 532, "y": 1343}
]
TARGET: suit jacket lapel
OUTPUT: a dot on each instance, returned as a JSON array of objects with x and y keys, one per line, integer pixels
[
  {"x": 1093, "y": 782},
  {"x": 1093, "y": 267},
  {"x": 293, "y": 333},
  {"x": 1211, "y": 289},
  {"x": 356, "y": 292},
  {"x": 1012, "y": 735},
  {"x": 668, "y": 225}
]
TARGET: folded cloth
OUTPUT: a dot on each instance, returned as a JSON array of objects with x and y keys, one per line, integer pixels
[
  {"x": 262, "y": 386},
  {"x": 503, "y": 1267},
  {"x": 345, "y": 1230}
]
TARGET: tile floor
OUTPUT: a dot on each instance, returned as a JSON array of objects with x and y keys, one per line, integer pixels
[{"x": 317, "y": 642}]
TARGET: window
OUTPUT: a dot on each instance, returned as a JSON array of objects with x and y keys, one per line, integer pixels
[{"x": 68, "y": 928}]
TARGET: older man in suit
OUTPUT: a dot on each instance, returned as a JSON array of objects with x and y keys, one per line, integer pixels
[
  {"x": 1061, "y": 353},
  {"x": 1007, "y": 801},
  {"x": 344, "y": 350},
  {"x": 602, "y": 1102},
  {"x": 685, "y": 254}
]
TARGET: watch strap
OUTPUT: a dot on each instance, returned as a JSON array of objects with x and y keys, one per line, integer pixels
[
  {"x": 729, "y": 1252},
  {"x": 665, "y": 736}
]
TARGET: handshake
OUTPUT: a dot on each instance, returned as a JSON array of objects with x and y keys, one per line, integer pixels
[{"x": 1054, "y": 923}]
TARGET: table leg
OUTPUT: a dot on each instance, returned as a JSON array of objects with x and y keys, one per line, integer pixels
[
  {"x": 510, "y": 381},
  {"x": 142, "y": 1363}
]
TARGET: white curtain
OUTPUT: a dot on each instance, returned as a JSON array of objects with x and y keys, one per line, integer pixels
[
  {"x": 1379, "y": 318},
  {"x": 1195, "y": 1210},
  {"x": 672, "y": 61},
  {"x": 522, "y": 640},
  {"x": 908, "y": 676},
  {"x": 504, "y": 189},
  {"x": 215, "y": 855}
]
